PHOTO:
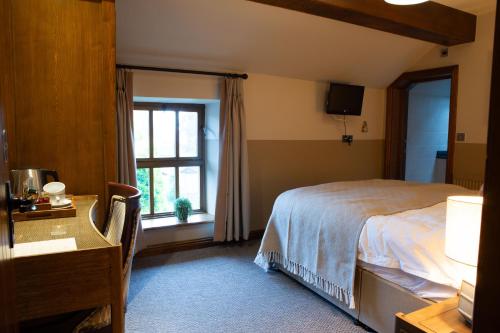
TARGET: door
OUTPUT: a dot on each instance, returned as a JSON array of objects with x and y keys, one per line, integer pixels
[
  {"x": 397, "y": 116},
  {"x": 427, "y": 131},
  {"x": 7, "y": 305}
]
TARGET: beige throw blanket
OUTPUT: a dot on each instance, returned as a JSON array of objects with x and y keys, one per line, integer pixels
[{"x": 313, "y": 232}]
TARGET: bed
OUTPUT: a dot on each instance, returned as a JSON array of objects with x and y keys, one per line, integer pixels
[{"x": 372, "y": 248}]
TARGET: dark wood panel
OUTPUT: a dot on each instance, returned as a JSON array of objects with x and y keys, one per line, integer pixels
[
  {"x": 7, "y": 283},
  {"x": 487, "y": 297},
  {"x": 429, "y": 21},
  {"x": 65, "y": 91}
]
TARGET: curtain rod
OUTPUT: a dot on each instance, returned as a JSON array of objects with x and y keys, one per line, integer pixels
[{"x": 183, "y": 71}]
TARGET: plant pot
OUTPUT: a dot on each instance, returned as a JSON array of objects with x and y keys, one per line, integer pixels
[
  {"x": 182, "y": 209},
  {"x": 182, "y": 214}
]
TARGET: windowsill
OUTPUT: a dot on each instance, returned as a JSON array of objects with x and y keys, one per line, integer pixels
[{"x": 173, "y": 222}]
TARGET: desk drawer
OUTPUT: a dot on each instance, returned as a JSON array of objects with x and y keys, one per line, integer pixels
[{"x": 63, "y": 282}]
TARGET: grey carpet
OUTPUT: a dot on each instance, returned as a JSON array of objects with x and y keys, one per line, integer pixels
[{"x": 220, "y": 289}]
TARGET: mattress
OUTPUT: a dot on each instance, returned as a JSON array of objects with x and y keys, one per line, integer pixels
[{"x": 407, "y": 248}]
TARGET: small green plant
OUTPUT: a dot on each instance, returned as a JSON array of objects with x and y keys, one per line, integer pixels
[{"x": 182, "y": 209}]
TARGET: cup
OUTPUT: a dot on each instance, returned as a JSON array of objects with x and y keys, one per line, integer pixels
[{"x": 56, "y": 192}]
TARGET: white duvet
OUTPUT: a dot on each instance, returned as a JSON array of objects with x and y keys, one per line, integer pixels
[{"x": 412, "y": 241}]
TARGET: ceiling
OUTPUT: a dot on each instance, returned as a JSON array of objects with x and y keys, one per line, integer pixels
[{"x": 243, "y": 36}]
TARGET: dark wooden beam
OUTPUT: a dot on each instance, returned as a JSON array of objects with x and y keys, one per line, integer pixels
[{"x": 428, "y": 21}]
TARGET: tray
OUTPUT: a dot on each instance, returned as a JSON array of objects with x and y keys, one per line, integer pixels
[{"x": 45, "y": 211}]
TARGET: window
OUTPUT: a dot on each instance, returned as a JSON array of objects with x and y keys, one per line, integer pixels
[{"x": 169, "y": 149}]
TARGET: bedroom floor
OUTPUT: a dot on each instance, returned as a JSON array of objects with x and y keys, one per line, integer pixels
[{"x": 220, "y": 289}]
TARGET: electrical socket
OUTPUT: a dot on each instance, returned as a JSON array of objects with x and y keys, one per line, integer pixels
[{"x": 347, "y": 139}]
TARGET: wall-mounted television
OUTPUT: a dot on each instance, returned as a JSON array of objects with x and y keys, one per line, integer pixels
[{"x": 345, "y": 99}]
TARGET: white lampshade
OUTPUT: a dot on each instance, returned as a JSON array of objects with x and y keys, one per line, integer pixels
[
  {"x": 405, "y": 2},
  {"x": 463, "y": 225}
]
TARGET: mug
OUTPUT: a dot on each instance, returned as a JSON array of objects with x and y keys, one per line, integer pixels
[{"x": 56, "y": 192}]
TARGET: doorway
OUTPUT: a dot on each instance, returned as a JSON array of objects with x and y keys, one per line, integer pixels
[
  {"x": 421, "y": 125},
  {"x": 427, "y": 131}
]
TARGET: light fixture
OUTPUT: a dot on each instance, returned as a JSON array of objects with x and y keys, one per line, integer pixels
[
  {"x": 463, "y": 226},
  {"x": 405, "y": 2}
]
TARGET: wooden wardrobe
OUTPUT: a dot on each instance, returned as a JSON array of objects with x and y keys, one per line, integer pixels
[{"x": 64, "y": 90}]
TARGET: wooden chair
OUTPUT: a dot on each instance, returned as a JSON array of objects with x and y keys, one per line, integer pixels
[
  {"x": 131, "y": 223},
  {"x": 121, "y": 227}
]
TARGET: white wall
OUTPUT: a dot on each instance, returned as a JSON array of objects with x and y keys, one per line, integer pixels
[
  {"x": 277, "y": 108},
  {"x": 475, "y": 61},
  {"x": 427, "y": 132},
  {"x": 169, "y": 85},
  {"x": 281, "y": 108}
]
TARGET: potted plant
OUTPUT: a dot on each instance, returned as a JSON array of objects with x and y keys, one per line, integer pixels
[{"x": 182, "y": 209}]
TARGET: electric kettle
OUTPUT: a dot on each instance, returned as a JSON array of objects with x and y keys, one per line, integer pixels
[{"x": 31, "y": 179}]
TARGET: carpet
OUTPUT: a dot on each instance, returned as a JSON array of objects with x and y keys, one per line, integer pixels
[{"x": 220, "y": 289}]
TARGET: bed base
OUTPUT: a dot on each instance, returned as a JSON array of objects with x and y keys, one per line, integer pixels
[{"x": 377, "y": 300}]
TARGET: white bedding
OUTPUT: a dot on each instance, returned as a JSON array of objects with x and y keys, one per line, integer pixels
[
  {"x": 412, "y": 241},
  {"x": 418, "y": 286}
]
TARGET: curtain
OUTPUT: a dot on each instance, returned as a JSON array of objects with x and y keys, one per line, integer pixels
[
  {"x": 232, "y": 207},
  {"x": 124, "y": 108},
  {"x": 125, "y": 130}
]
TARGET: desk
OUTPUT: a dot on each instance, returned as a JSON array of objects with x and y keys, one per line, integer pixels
[{"x": 85, "y": 278}]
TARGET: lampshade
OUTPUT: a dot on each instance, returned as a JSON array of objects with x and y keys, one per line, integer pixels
[
  {"x": 405, "y": 2},
  {"x": 463, "y": 225}
]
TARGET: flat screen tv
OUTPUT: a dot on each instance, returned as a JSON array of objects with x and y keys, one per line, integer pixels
[{"x": 345, "y": 99}]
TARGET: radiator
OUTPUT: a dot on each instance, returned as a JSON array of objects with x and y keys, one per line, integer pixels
[{"x": 471, "y": 184}]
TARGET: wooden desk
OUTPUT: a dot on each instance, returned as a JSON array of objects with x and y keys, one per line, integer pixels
[
  {"x": 86, "y": 278},
  {"x": 442, "y": 317}
]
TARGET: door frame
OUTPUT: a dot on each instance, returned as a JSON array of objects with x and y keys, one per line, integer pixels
[
  {"x": 397, "y": 116},
  {"x": 8, "y": 321}
]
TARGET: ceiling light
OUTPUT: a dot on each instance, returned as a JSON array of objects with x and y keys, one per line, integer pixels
[{"x": 405, "y": 2}]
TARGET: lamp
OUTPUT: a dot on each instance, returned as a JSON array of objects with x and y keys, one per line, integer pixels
[
  {"x": 405, "y": 2},
  {"x": 463, "y": 226}
]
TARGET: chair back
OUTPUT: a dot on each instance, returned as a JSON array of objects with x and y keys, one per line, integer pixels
[
  {"x": 116, "y": 220},
  {"x": 123, "y": 217}
]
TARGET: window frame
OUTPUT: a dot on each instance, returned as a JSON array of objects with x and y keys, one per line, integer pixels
[{"x": 175, "y": 162}]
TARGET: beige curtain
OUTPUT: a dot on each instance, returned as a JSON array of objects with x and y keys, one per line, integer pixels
[
  {"x": 126, "y": 157},
  {"x": 232, "y": 208},
  {"x": 124, "y": 108}
]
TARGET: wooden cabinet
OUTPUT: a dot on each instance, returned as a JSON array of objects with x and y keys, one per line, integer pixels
[
  {"x": 64, "y": 90},
  {"x": 442, "y": 317}
]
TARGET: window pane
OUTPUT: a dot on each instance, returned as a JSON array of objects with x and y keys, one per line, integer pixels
[
  {"x": 188, "y": 134},
  {"x": 164, "y": 180},
  {"x": 189, "y": 184},
  {"x": 141, "y": 133},
  {"x": 143, "y": 185},
  {"x": 164, "y": 133}
]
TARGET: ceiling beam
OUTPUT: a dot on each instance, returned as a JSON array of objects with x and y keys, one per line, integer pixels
[{"x": 428, "y": 21}]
